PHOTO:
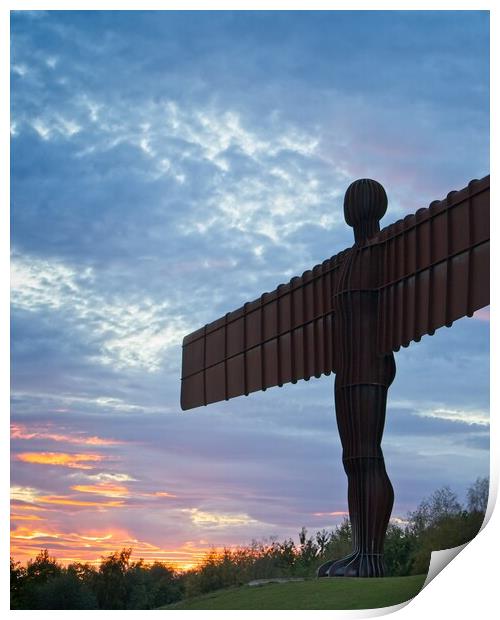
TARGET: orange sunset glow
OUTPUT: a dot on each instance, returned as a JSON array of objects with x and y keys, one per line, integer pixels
[
  {"x": 61, "y": 459},
  {"x": 32, "y": 532},
  {"x": 109, "y": 490},
  {"x": 90, "y": 546},
  {"x": 68, "y": 501}
]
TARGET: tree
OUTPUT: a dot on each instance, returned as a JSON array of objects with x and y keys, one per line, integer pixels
[
  {"x": 165, "y": 585},
  {"x": 17, "y": 580},
  {"x": 477, "y": 495},
  {"x": 340, "y": 543},
  {"x": 83, "y": 571},
  {"x": 441, "y": 504},
  {"x": 137, "y": 586},
  {"x": 440, "y": 522},
  {"x": 111, "y": 585},
  {"x": 42, "y": 568},
  {"x": 308, "y": 548},
  {"x": 399, "y": 547},
  {"x": 322, "y": 539}
]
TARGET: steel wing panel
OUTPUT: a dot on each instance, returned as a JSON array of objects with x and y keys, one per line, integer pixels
[
  {"x": 435, "y": 266},
  {"x": 281, "y": 337}
]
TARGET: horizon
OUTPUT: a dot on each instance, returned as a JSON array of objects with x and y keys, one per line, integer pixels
[
  {"x": 167, "y": 167},
  {"x": 181, "y": 566}
]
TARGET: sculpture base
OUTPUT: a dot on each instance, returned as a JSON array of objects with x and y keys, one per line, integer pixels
[{"x": 356, "y": 564}]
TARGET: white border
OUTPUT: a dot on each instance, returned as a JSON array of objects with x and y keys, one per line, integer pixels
[{"x": 469, "y": 584}]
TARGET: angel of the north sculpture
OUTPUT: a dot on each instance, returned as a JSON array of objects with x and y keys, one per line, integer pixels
[{"x": 348, "y": 316}]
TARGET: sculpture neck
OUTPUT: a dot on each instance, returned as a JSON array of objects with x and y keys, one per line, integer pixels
[{"x": 365, "y": 230}]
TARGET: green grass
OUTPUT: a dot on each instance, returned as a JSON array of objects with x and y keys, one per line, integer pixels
[{"x": 338, "y": 593}]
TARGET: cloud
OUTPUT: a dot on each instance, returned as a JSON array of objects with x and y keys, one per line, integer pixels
[
  {"x": 109, "y": 477},
  {"x": 417, "y": 418},
  {"x": 21, "y": 517},
  {"x": 211, "y": 519},
  {"x": 110, "y": 489},
  {"x": 106, "y": 489},
  {"x": 399, "y": 521},
  {"x": 59, "y": 125},
  {"x": 23, "y": 494},
  {"x": 481, "y": 418},
  {"x": 33, "y": 497},
  {"x": 62, "y": 500},
  {"x": 22, "y": 431},
  {"x": 90, "y": 403},
  {"x": 61, "y": 459},
  {"x": 28, "y": 534},
  {"x": 158, "y": 494},
  {"x": 129, "y": 334}
]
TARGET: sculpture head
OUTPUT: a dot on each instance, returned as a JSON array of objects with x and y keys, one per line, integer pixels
[{"x": 365, "y": 204}]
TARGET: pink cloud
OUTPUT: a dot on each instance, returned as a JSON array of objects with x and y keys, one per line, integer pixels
[{"x": 21, "y": 431}]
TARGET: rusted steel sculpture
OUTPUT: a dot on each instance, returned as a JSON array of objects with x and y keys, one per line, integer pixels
[{"x": 348, "y": 315}]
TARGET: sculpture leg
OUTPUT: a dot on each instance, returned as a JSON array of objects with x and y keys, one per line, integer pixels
[{"x": 360, "y": 417}]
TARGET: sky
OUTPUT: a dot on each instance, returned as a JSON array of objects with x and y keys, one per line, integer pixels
[{"x": 167, "y": 167}]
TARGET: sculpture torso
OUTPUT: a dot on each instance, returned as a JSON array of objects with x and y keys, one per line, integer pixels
[{"x": 355, "y": 305}]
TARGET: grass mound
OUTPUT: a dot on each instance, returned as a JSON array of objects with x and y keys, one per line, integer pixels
[{"x": 338, "y": 593}]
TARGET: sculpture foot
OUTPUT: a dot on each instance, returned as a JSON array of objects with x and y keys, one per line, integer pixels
[
  {"x": 358, "y": 565},
  {"x": 324, "y": 569},
  {"x": 337, "y": 568}
]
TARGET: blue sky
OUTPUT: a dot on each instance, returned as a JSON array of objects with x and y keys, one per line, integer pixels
[{"x": 166, "y": 168}]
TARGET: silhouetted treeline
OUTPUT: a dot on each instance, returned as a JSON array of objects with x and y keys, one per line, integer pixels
[
  {"x": 117, "y": 583},
  {"x": 439, "y": 522}
]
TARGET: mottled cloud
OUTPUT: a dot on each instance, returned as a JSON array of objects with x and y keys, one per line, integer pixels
[{"x": 129, "y": 334}]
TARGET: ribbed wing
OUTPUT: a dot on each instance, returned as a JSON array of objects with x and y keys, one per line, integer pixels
[
  {"x": 281, "y": 337},
  {"x": 435, "y": 266}
]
